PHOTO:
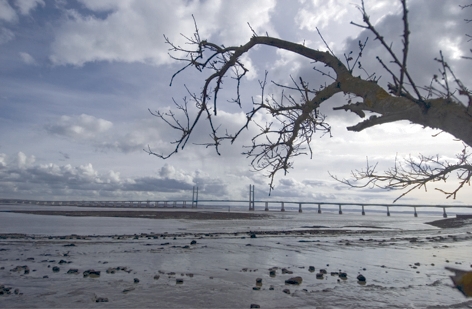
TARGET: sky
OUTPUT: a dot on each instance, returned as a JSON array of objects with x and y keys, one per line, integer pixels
[{"x": 78, "y": 79}]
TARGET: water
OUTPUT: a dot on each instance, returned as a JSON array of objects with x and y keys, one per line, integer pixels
[{"x": 225, "y": 265}]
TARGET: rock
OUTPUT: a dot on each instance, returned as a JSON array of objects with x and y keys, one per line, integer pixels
[
  {"x": 111, "y": 270},
  {"x": 323, "y": 271},
  {"x": 156, "y": 277},
  {"x": 343, "y": 275},
  {"x": 56, "y": 269},
  {"x": 255, "y": 306},
  {"x": 189, "y": 275},
  {"x": 74, "y": 271},
  {"x": 319, "y": 276},
  {"x": 311, "y": 268},
  {"x": 91, "y": 273},
  {"x": 272, "y": 272},
  {"x": 259, "y": 280},
  {"x": 286, "y": 271},
  {"x": 286, "y": 291},
  {"x": 361, "y": 278},
  {"x": 136, "y": 280},
  {"x": 193, "y": 242},
  {"x": 45, "y": 277},
  {"x": 334, "y": 273},
  {"x": 294, "y": 280},
  {"x": 417, "y": 264},
  {"x": 23, "y": 268},
  {"x": 101, "y": 300},
  {"x": 256, "y": 288},
  {"x": 253, "y": 235},
  {"x": 128, "y": 290},
  {"x": 271, "y": 288},
  {"x": 179, "y": 281},
  {"x": 63, "y": 262}
]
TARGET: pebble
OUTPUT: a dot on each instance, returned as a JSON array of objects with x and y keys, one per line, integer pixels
[
  {"x": 343, "y": 275},
  {"x": 91, "y": 273},
  {"x": 255, "y": 306},
  {"x": 73, "y": 271},
  {"x": 101, "y": 300},
  {"x": 294, "y": 280},
  {"x": 179, "y": 281},
  {"x": 311, "y": 268},
  {"x": 136, "y": 280},
  {"x": 361, "y": 278},
  {"x": 286, "y": 291},
  {"x": 193, "y": 242},
  {"x": 319, "y": 276},
  {"x": 156, "y": 277},
  {"x": 56, "y": 269}
]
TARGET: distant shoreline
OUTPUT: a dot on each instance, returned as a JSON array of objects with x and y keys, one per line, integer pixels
[
  {"x": 191, "y": 215},
  {"x": 197, "y": 215}
]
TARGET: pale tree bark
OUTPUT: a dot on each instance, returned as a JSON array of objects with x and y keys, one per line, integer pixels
[{"x": 296, "y": 121}]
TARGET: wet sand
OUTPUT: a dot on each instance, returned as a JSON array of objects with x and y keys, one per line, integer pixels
[{"x": 187, "y": 262}]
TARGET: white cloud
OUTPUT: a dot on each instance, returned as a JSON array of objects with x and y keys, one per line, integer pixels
[
  {"x": 27, "y": 58},
  {"x": 80, "y": 127},
  {"x": 7, "y": 13},
  {"x": 133, "y": 30},
  {"x": 26, "y": 6}
]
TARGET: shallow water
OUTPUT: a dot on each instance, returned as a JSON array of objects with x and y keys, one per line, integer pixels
[{"x": 225, "y": 266}]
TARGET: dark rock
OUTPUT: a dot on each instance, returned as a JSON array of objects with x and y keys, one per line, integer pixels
[
  {"x": 259, "y": 280},
  {"x": 156, "y": 277},
  {"x": 189, "y": 275},
  {"x": 417, "y": 264},
  {"x": 136, "y": 280},
  {"x": 179, "y": 281},
  {"x": 91, "y": 273},
  {"x": 73, "y": 271},
  {"x": 343, "y": 275},
  {"x": 23, "y": 268},
  {"x": 63, "y": 262},
  {"x": 294, "y": 280},
  {"x": 319, "y": 276},
  {"x": 56, "y": 269},
  {"x": 255, "y": 306},
  {"x": 45, "y": 277},
  {"x": 128, "y": 290},
  {"x": 311, "y": 268},
  {"x": 323, "y": 271},
  {"x": 286, "y": 271},
  {"x": 271, "y": 288},
  {"x": 361, "y": 278},
  {"x": 334, "y": 273},
  {"x": 193, "y": 242},
  {"x": 101, "y": 300},
  {"x": 111, "y": 270},
  {"x": 256, "y": 288},
  {"x": 253, "y": 236},
  {"x": 286, "y": 291},
  {"x": 69, "y": 245}
]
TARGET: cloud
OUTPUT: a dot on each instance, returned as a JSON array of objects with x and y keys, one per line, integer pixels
[
  {"x": 128, "y": 32},
  {"x": 6, "y": 35},
  {"x": 7, "y": 13},
  {"x": 79, "y": 127},
  {"x": 22, "y": 176},
  {"x": 25, "y": 6},
  {"x": 27, "y": 58}
]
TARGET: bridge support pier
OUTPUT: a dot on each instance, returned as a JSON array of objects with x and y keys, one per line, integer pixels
[
  {"x": 415, "y": 214},
  {"x": 266, "y": 206},
  {"x": 340, "y": 210},
  {"x": 319, "y": 208},
  {"x": 299, "y": 207},
  {"x": 388, "y": 211},
  {"x": 444, "y": 212},
  {"x": 363, "y": 212},
  {"x": 283, "y": 208}
]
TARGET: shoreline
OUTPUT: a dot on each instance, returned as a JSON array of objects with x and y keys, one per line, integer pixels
[{"x": 200, "y": 215}]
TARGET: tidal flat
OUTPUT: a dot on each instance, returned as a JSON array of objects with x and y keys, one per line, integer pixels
[{"x": 218, "y": 259}]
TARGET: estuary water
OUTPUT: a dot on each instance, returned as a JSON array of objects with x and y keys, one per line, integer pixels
[{"x": 215, "y": 263}]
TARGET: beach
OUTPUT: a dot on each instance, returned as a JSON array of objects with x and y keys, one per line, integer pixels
[{"x": 186, "y": 258}]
